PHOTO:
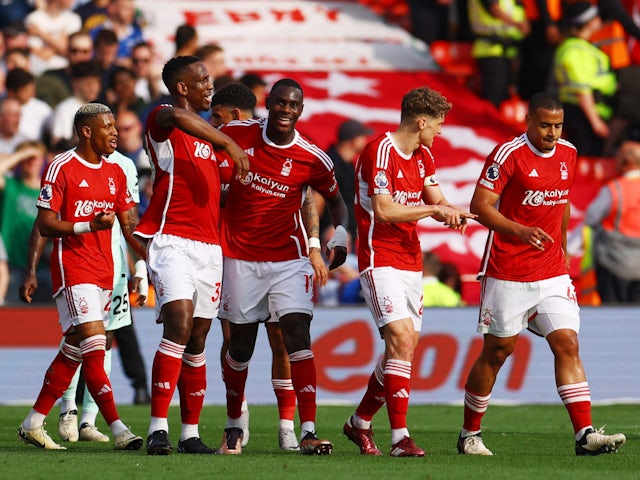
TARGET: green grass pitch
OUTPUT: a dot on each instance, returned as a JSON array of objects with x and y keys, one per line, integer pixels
[{"x": 528, "y": 442}]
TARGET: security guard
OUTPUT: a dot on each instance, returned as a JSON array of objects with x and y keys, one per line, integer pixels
[
  {"x": 586, "y": 83},
  {"x": 498, "y": 27}
]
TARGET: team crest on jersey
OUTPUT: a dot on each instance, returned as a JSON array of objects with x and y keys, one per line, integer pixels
[
  {"x": 493, "y": 172},
  {"x": 388, "y": 305},
  {"x": 112, "y": 186},
  {"x": 564, "y": 171},
  {"x": 46, "y": 193},
  {"x": 381, "y": 180},
  {"x": 487, "y": 317},
  {"x": 83, "y": 305},
  {"x": 286, "y": 167}
]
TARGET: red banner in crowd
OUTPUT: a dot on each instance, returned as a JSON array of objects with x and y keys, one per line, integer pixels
[{"x": 471, "y": 130}]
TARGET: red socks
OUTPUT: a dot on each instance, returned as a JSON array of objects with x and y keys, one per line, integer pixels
[
  {"x": 474, "y": 408},
  {"x": 235, "y": 377},
  {"x": 192, "y": 385},
  {"x": 57, "y": 378},
  {"x": 164, "y": 376},
  {"x": 303, "y": 377},
  {"x": 577, "y": 400},
  {"x": 374, "y": 397},
  {"x": 397, "y": 376}
]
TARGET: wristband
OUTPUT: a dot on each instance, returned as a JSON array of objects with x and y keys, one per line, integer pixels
[
  {"x": 314, "y": 243},
  {"x": 81, "y": 227},
  {"x": 140, "y": 269},
  {"x": 141, "y": 273}
]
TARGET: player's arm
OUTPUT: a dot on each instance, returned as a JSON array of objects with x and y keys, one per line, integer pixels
[
  {"x": 483, "y": 204},
  {"x": 195, "y": 125},
  {"x": 128, "y": 221},
  {"x": 566, "y": 214},
  {"x": 50, "y": 226},
  {"x": 311, "y": 221},
  {"x": 30, "y": 280},
  {"x": 387, "y": 211}
]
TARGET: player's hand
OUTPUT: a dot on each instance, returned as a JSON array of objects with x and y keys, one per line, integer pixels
[
  {"x": 28, "y": 287},
  {"x": 103, "y": 221},
  {"x": 321, "y": 272},
  {"x": 536, "y": 237},
  {"x": 338, "y": 246},
  {"x": 454, "y": 218},
  {"x": 140, "y": 282},
  {"x": 240, "y": 159}
]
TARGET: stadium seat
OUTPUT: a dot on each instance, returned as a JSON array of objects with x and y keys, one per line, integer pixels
[
  {"x": 514, "y": 112},
  {"x": 455, "y": 59},
  {"x": 597, "y": 169}
]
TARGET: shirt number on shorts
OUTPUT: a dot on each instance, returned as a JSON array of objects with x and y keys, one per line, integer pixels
[
  {"x": 121, "y": 304},
  {"x": 216, "y": 292}
]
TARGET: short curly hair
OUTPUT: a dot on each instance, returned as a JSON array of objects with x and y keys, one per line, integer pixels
[{"x": 424, "y": 101}]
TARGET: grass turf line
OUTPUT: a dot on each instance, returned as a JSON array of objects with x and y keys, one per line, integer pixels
[{"x": 528, "y": 442}]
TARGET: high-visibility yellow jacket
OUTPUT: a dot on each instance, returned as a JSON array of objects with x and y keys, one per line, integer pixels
[{"x": 493, "y": 37}]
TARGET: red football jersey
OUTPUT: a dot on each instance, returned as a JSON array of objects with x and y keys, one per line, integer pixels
[
  {"x": 383, "y": 169},
  {"x": 262, "y": 220},
  {"x": 77, "y": 191},
  {"x": 534, "y": 191},
  {"x": 186, "y": 186}
]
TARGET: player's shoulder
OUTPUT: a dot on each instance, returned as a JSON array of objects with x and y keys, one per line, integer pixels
[
  {"x": 505, "y": 149},
  {"x": 312, "y": 150},
  {"x": 565, "y": 145},
  {"x": 60, "y": 164}
]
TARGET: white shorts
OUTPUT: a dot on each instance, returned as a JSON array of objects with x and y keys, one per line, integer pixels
[
  {"x": 392, "y": 295},
  {"x": 252, "y": 290},
  {"x": 82, "y": 303},
  {"x": 120, "y": 314},
  {"x": 542, "y": 307},
  {"x": 184, "y": 269}
]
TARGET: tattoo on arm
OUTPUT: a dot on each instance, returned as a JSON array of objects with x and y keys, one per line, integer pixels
[{"x": 310, "y": 215}]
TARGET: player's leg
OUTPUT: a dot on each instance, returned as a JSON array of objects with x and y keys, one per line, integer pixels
[
  {"x": 573, "y": 389},
  {"x": 282, "y": 386},
  {"x": 295, "y": 331},
  {"x": 88, "y": 431},
  {"x": 92, "y": 340},
  {"x": 400, "y": 338},
  {"x": 56, "y": 380},
  {"x": 245, "y": 290},
  {"x": 171, "y": 270},
  {"x": 477, "y": 391},
  {"x": 558, "y": 321},
  {"x": 506, "y": 308},
  {"x": 291, "y": 297},
  {"x": 192, "y": 386},
  {"x": 206, "y": 264},
  {"x": 224, "y": 348},
  {"x": 68, "y": 420},
  {"x": 176, "y": 318},
  {"x": 242, "y": 341},
  {"x": 357, "y": 428}
]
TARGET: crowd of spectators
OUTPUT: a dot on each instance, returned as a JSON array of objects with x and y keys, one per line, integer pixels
[{"x": 56, "y": 55}]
